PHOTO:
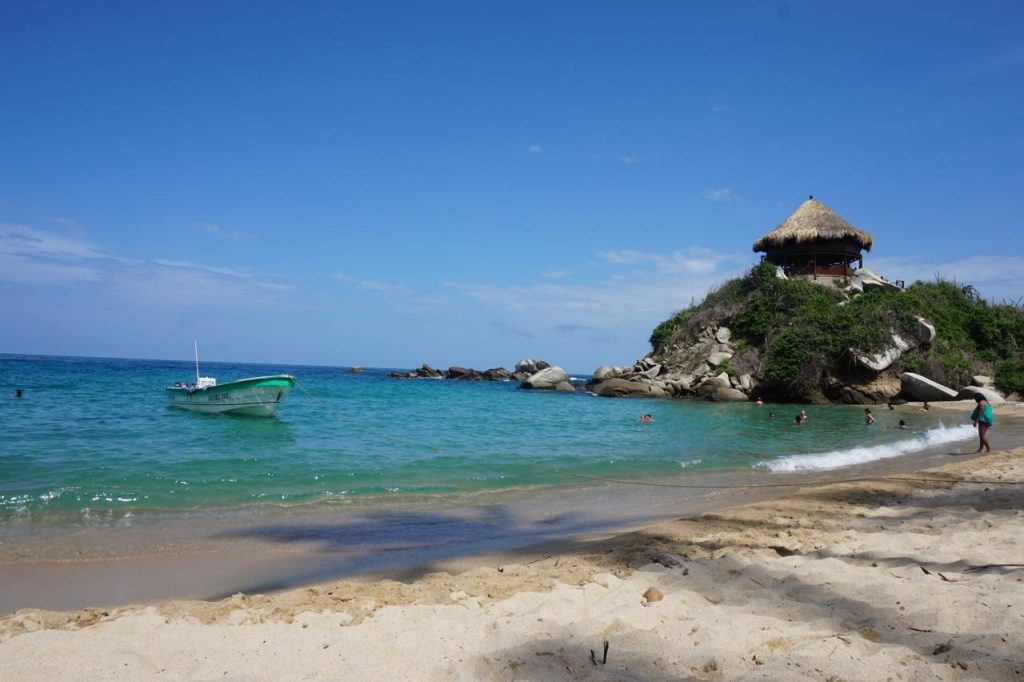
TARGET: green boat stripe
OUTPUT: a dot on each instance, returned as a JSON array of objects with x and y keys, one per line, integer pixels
[{"x": 255, "y": 382}]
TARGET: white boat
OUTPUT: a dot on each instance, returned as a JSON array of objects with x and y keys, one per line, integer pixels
[{"x": 257, "y": 396}]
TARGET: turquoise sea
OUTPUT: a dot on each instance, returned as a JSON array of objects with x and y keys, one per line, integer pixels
[
  {"x": 96, "y": 437},
  {"x": 110, "y": 496}
]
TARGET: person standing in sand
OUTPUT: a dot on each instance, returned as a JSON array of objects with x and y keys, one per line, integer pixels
[{"x": 982, "y": 418}]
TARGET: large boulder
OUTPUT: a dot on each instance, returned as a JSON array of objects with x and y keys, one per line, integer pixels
[
  {"x": 848, "y": 395},
  {"x": 968, "y": 393},
  {"x": 679, "y": 385},
  {"x": 712, "y": 384},
  {"x": 547, "y": 379},
  {"x": 865, "y": 280},
  {"x": 645, "y": 363},
  {"x": 923, "y": 388},
  {"x": 878, "y": 362},
  {"x": 603, "y": 372},
  {"x": 464, "y": 374},
  {"x": 497, "y": 374},
  {"x": 653, "y": 372},
  {"x": 723, "y": 335},
  {"x": 530, "y": 366},
  {"x": 615, "y": 388},
  {"x": 728, "y": 395},
  {"x": 427, "y": 372},
  {"x": 982, "y": 380},
  {"x": 717, "y": 358}
]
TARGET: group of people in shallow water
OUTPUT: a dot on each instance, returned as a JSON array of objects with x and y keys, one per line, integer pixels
[{"x": 981, "y": 418}]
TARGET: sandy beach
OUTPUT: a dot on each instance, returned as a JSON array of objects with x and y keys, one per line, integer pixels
[{"x": 915, "y": 576}]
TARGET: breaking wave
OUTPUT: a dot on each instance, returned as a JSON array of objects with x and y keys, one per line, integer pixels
[{"x": 836, "y": 459}]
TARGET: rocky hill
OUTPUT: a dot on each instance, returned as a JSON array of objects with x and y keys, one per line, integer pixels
[{"x": 865, "y": 341}]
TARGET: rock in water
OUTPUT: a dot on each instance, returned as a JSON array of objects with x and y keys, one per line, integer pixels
[
  {"x": 614, "y": 388},
  {"x": 728, "y": 395},
  {"x": 547, "y": 379}
]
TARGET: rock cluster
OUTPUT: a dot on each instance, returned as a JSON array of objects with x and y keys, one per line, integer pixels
[
  {"x": 525, "y": 370},
  {"x": 701, "y": 369}
]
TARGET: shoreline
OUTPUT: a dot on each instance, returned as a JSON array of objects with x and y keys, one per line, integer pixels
[
  {"x": 210, "y": 555},
  {"x": 822, "y": 578}
]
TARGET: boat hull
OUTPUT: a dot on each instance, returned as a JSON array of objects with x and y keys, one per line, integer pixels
[{"x": 258, "y": 396}]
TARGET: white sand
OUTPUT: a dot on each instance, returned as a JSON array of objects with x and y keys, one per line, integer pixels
[{"x": 858, "y": 581}]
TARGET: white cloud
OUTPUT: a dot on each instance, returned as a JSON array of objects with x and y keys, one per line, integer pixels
[
  {"x": 32, "y": 256},
  {"x": 535, "y": 149},
  {"x": 721, "y": 194},
  {"x": 695, "y": 260},
  {"x": 28, "y": 241},
  {"x": 37, "y": 257},
  {"x": 371, "y": 285},
  {"x": 165, "y": 283},
  {"x": 21, "y": 270},
  {"x": 557, "y": 274},
  {"x": 630, "y": 159},
  {"x": 653, "y": 286},
  {"x": 997, "y": 278}
]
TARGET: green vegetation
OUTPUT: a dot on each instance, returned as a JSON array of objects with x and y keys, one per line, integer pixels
[
  {"x": 804, "y": 331},
  {"x": 1010, "y": 376}
]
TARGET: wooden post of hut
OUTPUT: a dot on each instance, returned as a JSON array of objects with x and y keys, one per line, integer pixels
[{"x": 816, "y": 244}]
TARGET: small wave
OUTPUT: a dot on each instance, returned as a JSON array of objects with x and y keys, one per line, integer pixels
[
  {"x": 687, "y": 463},
  {"x": 836, "y": 459}
]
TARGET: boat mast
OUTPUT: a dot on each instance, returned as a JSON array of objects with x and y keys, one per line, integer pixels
[{"x": 196, "y": 345}]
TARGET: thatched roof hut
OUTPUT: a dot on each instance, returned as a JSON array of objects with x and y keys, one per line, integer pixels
[
  {"x": 812, "y": 221},
  {"x": 814, "y": 241}
]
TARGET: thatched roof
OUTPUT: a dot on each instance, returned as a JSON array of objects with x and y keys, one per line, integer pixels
[{"x": 811, "y": 221}]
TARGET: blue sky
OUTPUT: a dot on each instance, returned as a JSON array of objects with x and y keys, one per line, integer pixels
[{"x": 386, "y": 184}]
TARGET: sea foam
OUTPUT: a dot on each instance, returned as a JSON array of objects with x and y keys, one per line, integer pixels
[{"x": 835, "y": 459}]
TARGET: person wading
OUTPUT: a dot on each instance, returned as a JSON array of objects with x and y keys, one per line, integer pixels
[{"x": 982, "y": 418}]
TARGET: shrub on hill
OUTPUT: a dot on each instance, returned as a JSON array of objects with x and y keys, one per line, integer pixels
[{"x": 803, "y": 331}]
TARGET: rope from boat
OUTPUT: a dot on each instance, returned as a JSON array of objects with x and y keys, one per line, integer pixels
[
  {"x": 804, "y": 484},
  {"x": 373, "y": 432}
]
